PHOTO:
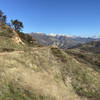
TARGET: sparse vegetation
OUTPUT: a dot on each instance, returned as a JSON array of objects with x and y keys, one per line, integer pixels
[
  {"x": 84, "y": 81},
  {"x": 28, "y": 39}
]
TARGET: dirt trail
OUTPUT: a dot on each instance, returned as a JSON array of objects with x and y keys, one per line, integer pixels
[{"x": 8, "y": 53}]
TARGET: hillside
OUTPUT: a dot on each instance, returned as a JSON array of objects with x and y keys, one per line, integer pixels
[
  {"x": 10, "y": 40},
  {"x": 62, "y": 41},
  {"x": 93, "y": 46},
  {"x": 88, "y": 53},
  {"x": 29, "y": 71}
]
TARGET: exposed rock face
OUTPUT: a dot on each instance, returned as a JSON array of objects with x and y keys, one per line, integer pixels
[{"x": 17, "y": 39}]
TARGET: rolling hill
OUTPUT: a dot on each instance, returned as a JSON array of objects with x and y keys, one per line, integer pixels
[
  {"x": 93, "y": 46},
  {"x": 29, "y": 71}
]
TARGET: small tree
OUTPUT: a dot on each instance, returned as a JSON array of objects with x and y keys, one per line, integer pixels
[
  {"x": 2, "y": 18},
  {"x": 1, "y": 13},
  {"x": 17, "y": 25}
]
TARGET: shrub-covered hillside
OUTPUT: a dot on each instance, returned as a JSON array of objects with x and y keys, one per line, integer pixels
[{"x": 31, "y": 72}]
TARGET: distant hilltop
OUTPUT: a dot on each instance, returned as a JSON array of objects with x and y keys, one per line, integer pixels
[{"x": 62, "y": 40}]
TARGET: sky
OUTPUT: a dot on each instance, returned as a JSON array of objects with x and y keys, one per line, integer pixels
[{"x": 72, "y": 17}]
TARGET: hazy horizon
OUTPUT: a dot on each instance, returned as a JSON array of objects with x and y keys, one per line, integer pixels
[{"x": 65, "y": 34}]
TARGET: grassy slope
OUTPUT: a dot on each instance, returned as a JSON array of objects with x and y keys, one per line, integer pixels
[
  {"x": 85, "y": 75},
  {"x": 92, "y": 62},
  {"x": 44, "y": 73}
]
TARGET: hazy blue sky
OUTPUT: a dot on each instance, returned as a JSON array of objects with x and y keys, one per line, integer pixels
[{"x": 73, "y": 17}]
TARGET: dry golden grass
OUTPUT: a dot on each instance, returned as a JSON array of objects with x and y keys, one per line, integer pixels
[{"x": 44, "y": 73}]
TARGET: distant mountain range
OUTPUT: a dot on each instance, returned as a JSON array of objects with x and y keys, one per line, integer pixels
[{"x": 61, "y": 40}]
